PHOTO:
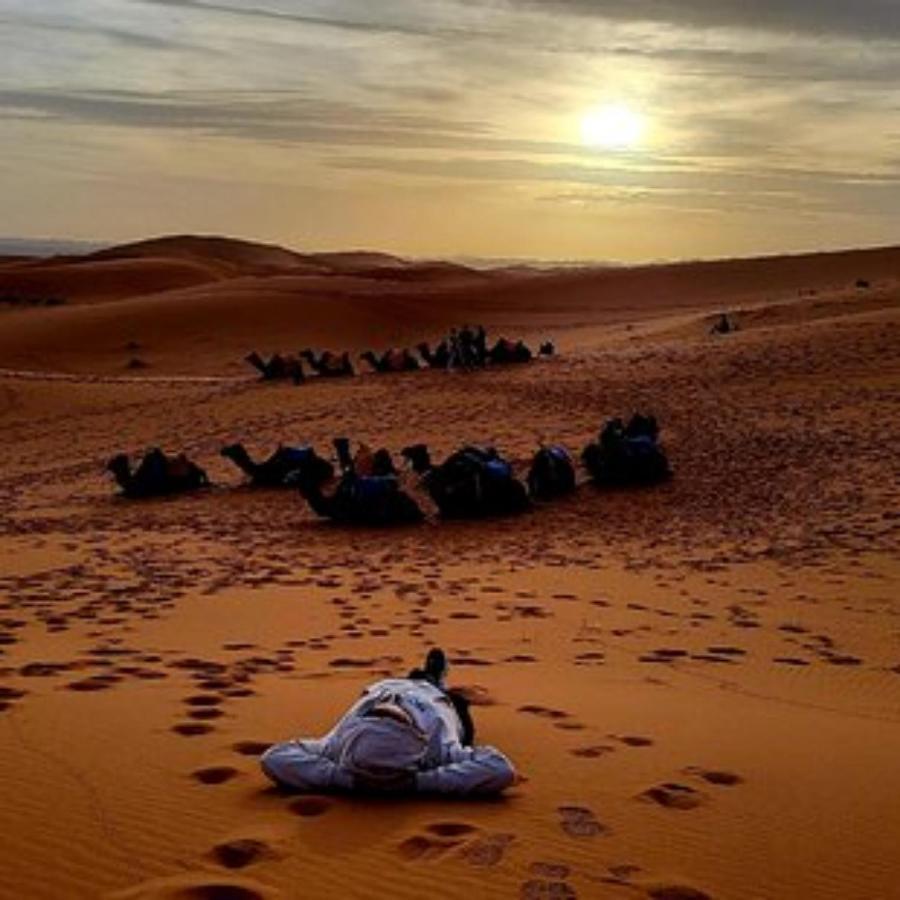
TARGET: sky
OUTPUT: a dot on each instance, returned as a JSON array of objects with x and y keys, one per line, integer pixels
[{"x": 455, "y": 127}]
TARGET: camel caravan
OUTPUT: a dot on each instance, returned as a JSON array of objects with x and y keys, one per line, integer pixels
[
  {"x": 366, "y": 488},
  {"x": 463, "y": 349}
]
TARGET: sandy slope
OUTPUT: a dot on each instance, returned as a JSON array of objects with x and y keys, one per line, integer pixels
[{"x": 700, "y": 682}]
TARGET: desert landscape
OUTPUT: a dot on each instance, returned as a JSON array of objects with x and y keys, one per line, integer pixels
[{"x": 698, "y": 682}]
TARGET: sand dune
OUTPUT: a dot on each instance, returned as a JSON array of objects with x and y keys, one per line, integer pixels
[
  {"x": 77, "y": 281},
  {"x": 700, "y": 682},
  {"x": 207, "y": 302}
]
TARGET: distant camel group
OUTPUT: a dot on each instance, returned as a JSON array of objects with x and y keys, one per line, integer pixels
[
  {"x": 449, "y": 353},
  {"x": 473, "y": 482}
]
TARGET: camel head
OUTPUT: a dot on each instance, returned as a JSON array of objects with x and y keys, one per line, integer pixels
[
  {"x": 418, "y": 457},
  {"x": 119, "y": 466}
]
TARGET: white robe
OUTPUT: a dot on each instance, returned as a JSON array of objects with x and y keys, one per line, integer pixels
[{"x": 428, "y": 756}]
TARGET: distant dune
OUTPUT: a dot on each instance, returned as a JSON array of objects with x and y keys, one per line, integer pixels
[{"x": 198, "y": 304}]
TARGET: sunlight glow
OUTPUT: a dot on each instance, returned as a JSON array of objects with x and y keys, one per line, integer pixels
[{"x": 615, "y": 127}]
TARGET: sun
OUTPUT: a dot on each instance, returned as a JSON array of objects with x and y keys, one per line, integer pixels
[{"x": 615, "y": 127}]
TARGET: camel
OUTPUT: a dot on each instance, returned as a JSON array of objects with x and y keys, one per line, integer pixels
[
  {"x": 277, "y": 367},
  {"x": 439, "y": 358},
  {"x": 547, "y": 348},
  {"x": 506, "y": 351},
  {"x": 285, "y": 467},
  {"x": 328, "y": 364},
  {"x": 392, "y": 361},
  {"x": 157, "y": 474},
  {"x": 552, "y": 473},
  {"x": 471, "y": 483},
  {"x": 627, "y": 455},
  {"x": 374, "y": 501}
]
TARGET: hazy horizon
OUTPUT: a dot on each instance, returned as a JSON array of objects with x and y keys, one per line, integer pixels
[
  {"x": 47, "y": 247},
  {"x": 538, "y": 129}
]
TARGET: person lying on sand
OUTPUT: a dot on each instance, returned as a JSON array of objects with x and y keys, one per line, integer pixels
[{"x": 403, "y": 735}]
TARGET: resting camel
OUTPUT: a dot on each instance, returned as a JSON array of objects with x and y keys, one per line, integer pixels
[
  {"x": 627, "y": 455},
  {"x": 552, "y": 473},
  {"x": 285, "y": 467},
  {"x": 471, "y": 483},
  {"x": 363, "y": 500},
  {"x": 328, "y": 364},
  {"x": 547, "y": 348},
  {"x": 392, "y": 361},
  {"x": 277, "y": 367},
  {"x": 506, "y": 351},
  {"x": 157, "y": 474},
  {"x": 439, "y": 358}
]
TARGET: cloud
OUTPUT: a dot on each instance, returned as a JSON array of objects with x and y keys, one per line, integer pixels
[
  {"x": 366, "y": 25},
  {"x": 284, "y": 116},
  {"x": 129, "y": 38},
  {"x": 868, "y": 18}
]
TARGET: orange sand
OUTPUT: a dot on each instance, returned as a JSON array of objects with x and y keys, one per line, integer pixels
[{"x": 710, "y": 668}]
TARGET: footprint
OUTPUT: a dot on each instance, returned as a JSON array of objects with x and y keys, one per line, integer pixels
[
  {"x": 421, "y": 847},
  {"x": 215, "y": 774},
  {"x": 488, "y": 850},
  {"x": 476, "y": 695},
  {"x": 202, "y": 700},
  {"x": 43, "y": 669},
  {"x": 715, "y": 776},
  {"x": 672, "y": 795},
  {"x": 580, "y": 822},
  {"x": 191, "y": 729},
  {"x": 239, "y": 853},
  {"x": 842, "y": 660},
  {"x": 664, "y": 654},
  {"x": 593, "y": 752},
  {"x": 93, "y": 683},
  {"x": 549, "y": 870},
  {"x": 310, "y": 806},
  {"x": 201, "y": 886},
  {"x": 632, "y": 740},
  {"x": 8, "y": 693},
  {"x": 251, "y": 748},
  {"x": 676, "y": 892},
  {"x": 543, "y": 712},
  {"x": 206, "y": 712},
  {"x": 620, "y": 873}
]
